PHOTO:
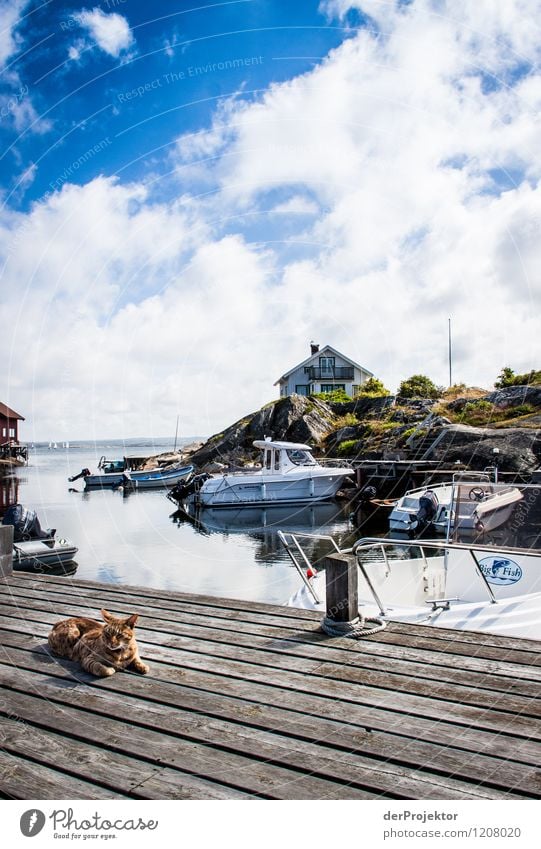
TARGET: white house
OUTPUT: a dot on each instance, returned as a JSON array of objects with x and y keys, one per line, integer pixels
[{"x": 324, "y": 371}]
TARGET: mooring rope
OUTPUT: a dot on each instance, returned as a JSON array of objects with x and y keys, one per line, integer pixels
[{"x": 356, "y": 629}]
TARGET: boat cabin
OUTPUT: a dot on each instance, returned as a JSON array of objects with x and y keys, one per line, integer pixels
[{"x": 283, "y": 457}]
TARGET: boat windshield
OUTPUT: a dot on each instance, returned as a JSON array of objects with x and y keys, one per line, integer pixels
[{"x": 301, "y": 458}]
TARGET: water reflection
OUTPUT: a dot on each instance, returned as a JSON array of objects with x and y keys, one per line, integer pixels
[
  {"x": 9, "y": 491},
  {"x": 261, "y": 525},
  {"x": 65, "y": 569}
]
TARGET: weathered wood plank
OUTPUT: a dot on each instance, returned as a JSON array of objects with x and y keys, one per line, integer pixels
[
  {"x": 442, "y": 642},
  {"x": 254, "y": 775},
  {"x": 311, "y": 641},
  {"x": 380, "y": 777},
  {"x": 117, "y": 772},
  {"x": 170, "y": 599},
  {"x": 24, "y": 779},
  {"x": 227, "y": 604},
  {"x": 190, "y": 636},
  {"x": 257, "y": 690},
  {"x": 159, "y": 646},
  {"x": 259, "y": 705}
]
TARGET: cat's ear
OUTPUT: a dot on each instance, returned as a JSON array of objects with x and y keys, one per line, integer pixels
[
  {"x": 106, "y": 615},
  {"x": 131, "y": 620}
]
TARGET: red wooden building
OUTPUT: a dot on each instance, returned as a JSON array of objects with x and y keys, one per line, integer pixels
[{"x": 9, "y": 424}]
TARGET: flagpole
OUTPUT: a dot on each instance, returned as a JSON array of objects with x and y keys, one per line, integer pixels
[{"x": 450, "y": 357}]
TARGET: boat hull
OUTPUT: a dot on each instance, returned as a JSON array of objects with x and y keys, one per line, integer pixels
[
  {"x": 155, "y": 479},
  {"x": 36, "y": 553},
  {"x": 266, "y": 491}
]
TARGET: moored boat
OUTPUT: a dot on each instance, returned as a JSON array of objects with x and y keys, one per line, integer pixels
[
  {"x": 153, "y": 479},
  {"x": 440, "y": 584},
  {"x": 477, "y": 505},
  {"x": 289, "y": 474},
  {"x": 44, "y": 553}
]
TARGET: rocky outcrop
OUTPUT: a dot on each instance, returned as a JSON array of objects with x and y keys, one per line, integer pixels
[
  {"x": 511, "y": 396},
  {"x": 512, "y": 449},
  {"x": 293, "y": 419}
]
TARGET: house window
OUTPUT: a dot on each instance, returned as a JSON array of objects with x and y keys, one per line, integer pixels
[
  {"x": 4, "y": 432},
  {"x": 330, "y": 387},
  {"x": 12, "y": 433},
  {"x": 302, "y": 389},
  {"x": 326, "y": 365}
]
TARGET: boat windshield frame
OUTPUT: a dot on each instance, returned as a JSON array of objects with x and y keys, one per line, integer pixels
[{"x": 300, "y": 457}]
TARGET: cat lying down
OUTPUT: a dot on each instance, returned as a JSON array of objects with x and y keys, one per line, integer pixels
[{"x": 100, "y": 649}]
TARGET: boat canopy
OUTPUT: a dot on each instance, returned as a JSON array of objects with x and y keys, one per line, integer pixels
[{"x": 291, "y": 446}]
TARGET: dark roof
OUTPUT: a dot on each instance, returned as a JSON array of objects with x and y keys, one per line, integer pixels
[{"x": 7, "y": 413}]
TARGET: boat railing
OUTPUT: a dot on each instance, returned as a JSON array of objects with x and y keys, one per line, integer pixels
[
  {"x": 334, "y": 463},
  {"x": 290, "y": 541},
  {"x": 366, "y": 544}
]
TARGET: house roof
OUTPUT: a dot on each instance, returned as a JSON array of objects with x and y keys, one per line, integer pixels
[
  {"x": 7, "y": 413},
  {"x": 320, "y": 353}
]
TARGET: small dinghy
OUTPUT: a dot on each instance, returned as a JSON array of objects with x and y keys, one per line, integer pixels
[
  {"x": 36, "y": 549},
  {"x": 40, "y": 555}
]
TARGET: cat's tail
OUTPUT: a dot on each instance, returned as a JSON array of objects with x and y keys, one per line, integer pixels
[{"x": 63, "y": 638}]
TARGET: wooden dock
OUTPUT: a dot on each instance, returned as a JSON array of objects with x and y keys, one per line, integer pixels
[{"x": 248, "y": 700}]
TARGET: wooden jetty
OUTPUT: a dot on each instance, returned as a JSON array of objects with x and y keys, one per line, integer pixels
[{"x": 248, "y": 700}]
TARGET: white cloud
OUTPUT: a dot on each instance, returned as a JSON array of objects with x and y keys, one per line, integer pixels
[
  {"x": 296, "y": 205},
  {"x": 111, "y": 32},
  {"x": 420, "y": 174},
  {"x": 11, "y": 17}
]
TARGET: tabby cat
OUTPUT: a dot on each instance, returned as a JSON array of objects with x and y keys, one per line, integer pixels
[{"x": 100, "y": 649}]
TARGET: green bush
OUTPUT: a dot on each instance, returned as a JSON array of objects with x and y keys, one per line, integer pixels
[
  {"x": 507, "y": 377},
  {"x": 373, "y": 388},
  {"x": 347, "y": 420},
  {"x": 418, "y": 386},
  {"x": 337, "y": 396},
  {"x": 348, "y": 447},
  {"x": 478, "y": 413}
]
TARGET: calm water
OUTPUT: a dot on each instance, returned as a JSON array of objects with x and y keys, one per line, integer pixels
[{"x": 138, "y": 539}]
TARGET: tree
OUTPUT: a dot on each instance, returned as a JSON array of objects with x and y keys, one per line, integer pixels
[
  {"x": 418, "y": 386},
  {"x": 506, "y": 377},
  {"x": 373, "y": 386}
]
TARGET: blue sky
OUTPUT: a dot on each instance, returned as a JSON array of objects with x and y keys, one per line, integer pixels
[
  {"x": 183, "y": 59},
  {"x": 191, "y": 194}
]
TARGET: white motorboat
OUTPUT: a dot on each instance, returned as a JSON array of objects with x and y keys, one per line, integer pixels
[
  {"x": 438, "y": 583},
  {"x": 478, "y": 505},
  {"x": 289, "y": 474}
]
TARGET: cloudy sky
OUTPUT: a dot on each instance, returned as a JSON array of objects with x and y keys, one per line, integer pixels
[{"x": 191, "y": 193}]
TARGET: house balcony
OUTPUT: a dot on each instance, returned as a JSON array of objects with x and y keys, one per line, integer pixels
[{"x": 336, "y": 373}]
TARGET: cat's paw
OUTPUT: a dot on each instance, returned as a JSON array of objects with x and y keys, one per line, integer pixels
[
  {"x": 142, "y": 668},
  {"x": 107, "y": 670}
]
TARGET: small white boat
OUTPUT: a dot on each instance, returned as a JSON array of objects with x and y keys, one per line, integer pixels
[
  {"x": 289, "y": 474},
  {"x": 478, "y": 505},
  {"x": 36, "y": 553}
]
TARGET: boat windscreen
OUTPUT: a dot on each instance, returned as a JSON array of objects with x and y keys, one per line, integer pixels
[{"x": 300, "y": 458}]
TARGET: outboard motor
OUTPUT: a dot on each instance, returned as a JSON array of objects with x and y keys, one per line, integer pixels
[
  {"x": 82, "y": 474},
  {"x": 367, "y": 493},
  {"x": 187, "y": 487},
  {"x": 428, "y": 507},
  {"x": 26, "y": 524}
]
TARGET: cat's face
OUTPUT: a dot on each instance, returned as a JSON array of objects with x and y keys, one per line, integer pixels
[{"x": 118, "y": 633}]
